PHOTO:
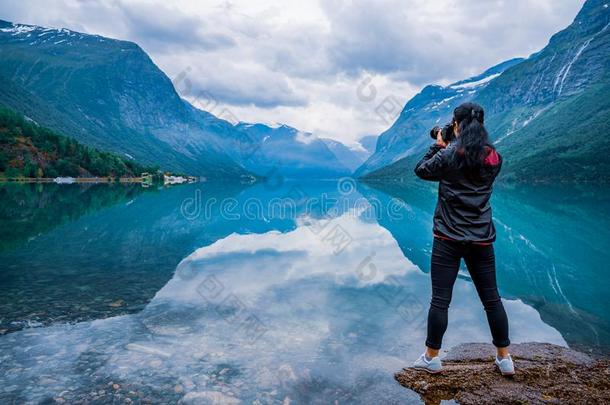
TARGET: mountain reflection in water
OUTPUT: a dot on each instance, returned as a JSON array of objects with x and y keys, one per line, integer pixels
[{"x": 261, "y": 307}]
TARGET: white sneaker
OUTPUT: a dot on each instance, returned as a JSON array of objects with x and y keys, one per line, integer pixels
[
  {"x": 505, "y": 365},
  {"x": 432, "y": 366}
]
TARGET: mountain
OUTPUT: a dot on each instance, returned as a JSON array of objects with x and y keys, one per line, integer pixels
[
  {"x": 432, "y": 106},
  {"x": 109, "y": 94},
  {"x": 29, "y": 150},
  {"x": 286, "y": 151},
  {"x": 548, "y": 115},
  {"x": 352, "y": 158},
  {"x": 368, "y": 143},
  {"x": 545, "y": 114}
]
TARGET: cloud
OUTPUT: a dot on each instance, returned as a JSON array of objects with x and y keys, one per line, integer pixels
[
  {"x": 439, "y": 41},
  {"x": 307, "y": 63},
  {"x": 239, "y": 83},
  {"x": 165, "y": 28}
]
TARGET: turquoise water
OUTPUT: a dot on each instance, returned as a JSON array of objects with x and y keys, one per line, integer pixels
[{"x": 307, "y": 292}]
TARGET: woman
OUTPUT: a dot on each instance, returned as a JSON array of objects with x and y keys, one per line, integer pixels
[{"x": 463, "y": 228}]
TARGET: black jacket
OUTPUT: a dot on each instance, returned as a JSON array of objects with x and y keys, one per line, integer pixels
[{"x": 463, "y": 212}]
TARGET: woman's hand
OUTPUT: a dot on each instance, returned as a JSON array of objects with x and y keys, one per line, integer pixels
[{"x": 439, "y": 139}]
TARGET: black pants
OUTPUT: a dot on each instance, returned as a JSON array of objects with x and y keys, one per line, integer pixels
[{"x": 481, "y": 263}]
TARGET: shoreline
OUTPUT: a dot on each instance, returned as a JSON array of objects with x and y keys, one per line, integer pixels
[
  {"x": 74, "y": 180},
  {"x": 144, "y": 180}
]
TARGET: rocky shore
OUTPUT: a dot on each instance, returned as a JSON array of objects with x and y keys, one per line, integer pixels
[{"x": 545, "y": 374}]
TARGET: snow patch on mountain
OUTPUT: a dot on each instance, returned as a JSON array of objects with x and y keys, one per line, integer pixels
[
  {"x": 19, "y": 29},
  {"x": 566, "y": 69},
  {"x": 470, "y": 85},
  {"x": 305, "y": 137}
]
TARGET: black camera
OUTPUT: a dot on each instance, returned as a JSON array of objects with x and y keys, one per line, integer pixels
[{"x": 446, "y": 132}]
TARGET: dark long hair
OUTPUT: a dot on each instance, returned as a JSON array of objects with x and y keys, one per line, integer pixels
[{"x": 473, "y": 141}]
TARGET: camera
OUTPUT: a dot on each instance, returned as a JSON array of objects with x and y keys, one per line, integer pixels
[{"x": 446, "y": 132}]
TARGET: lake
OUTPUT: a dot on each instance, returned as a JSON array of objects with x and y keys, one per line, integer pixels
[{"x": 287, "y": 292}]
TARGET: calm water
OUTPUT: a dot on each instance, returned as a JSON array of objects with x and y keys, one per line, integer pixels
[{"x": 311, "y": 292}]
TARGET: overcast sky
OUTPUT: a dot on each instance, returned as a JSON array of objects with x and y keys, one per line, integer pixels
[{"x": 337, "y": 68}]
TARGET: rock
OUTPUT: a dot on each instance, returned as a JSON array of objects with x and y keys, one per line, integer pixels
[
  {"x": 155, "y": 363},
  {"x": 117, "y": 303},
  {"x": 116, "y": 386},
  {"x": 545, "y": 373},
  {"x": 209, "y": 398},
  {"x": 46, "y": 381},
  {"x": 188, "y": 384}
]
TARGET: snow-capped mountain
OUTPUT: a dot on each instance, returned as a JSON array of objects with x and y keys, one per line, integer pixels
[
  {"x": 543, "y": 113},
  {"x": 109, "y": 94},
  {"x": 432, "y": 106},
  {"x": 351, "y": 157},
  {"x": 283, "y": 150}
]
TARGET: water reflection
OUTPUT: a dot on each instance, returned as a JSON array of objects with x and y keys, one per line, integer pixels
[
  {"x": 93, "y": 252},
  {"x": 258, "y": 309},
  {"x": 552, "y": 250},
  {"x": 82, "y": 252},
  {"x": 28, "y": 210}
]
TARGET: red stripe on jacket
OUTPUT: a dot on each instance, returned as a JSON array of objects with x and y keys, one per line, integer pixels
[{"x": 492, "y": 159}]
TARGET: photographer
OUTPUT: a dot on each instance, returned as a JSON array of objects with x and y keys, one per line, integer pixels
[{"x": 465, "y": 164}]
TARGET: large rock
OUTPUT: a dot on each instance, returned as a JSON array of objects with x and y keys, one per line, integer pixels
[{"x": 545, "y": 374}]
